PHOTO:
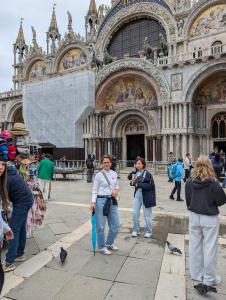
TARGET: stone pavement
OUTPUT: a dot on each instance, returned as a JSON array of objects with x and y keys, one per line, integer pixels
[{"x": 142, "y": 269}]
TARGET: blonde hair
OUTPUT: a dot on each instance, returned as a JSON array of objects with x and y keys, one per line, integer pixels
[{"x": 203, "y": 169}]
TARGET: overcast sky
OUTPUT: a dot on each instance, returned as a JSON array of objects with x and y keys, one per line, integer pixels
[{"x": 36, "y": 13}]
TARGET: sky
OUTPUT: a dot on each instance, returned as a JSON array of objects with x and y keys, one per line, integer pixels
[{"x": 35, "y": 13}]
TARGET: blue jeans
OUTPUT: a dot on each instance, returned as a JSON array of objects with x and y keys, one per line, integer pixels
[
  {"x": 18, "y": 225},
  {"x": 89, "y": 175},
  {"x": 138, "y": 203},
  {"x": 224, "y": 182},
  {"x": 113, "y": 223}
]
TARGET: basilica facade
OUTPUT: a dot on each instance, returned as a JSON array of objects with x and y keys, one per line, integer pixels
[{"x": 156, "y": 71}]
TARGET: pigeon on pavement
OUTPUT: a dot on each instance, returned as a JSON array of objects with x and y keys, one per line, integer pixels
[
  {"x": 173, "y": 249},
  {"x": 204, "y": 289},
  {"x": 63, "y": 255}
]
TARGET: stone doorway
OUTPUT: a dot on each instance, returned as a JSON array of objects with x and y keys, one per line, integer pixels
[{"x": 135, "y": 147}]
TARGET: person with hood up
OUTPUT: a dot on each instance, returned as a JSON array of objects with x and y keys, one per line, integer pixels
[
  {"x": 176, "y": 174},
  {"x": 203, "y": 197}
]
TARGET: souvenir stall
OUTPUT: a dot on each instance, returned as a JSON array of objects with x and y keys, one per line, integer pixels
[{"x": 18, "y": 153}]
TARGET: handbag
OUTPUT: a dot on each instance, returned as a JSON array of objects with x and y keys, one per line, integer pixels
[{"x": 108, "y": 202}]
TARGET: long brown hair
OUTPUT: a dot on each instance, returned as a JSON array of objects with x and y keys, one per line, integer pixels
[
  {"x": 3, "y": 189},
  {"x": 203, "y": 169}
]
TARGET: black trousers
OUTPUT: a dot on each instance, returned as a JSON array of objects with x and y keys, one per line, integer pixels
[
  {"x": 187, "y": 174},
  {"x": 177, "y": 189},
  {"x": 2, "y": 275}
]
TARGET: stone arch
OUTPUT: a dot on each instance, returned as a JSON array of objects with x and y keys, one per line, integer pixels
[
  {"x": 66, "y": 49},
  {"x": 199, "y": 77},
  {"x": 121, "y": 119},
  {"x": 13, "y": 111},
  {"x": 196, "y": 12},
  {"x": 218, "y": 119},
  {"x": 30, "y": 64},
  {"x": 155, "y": 75},
  {"x": 137, "y": 10}
]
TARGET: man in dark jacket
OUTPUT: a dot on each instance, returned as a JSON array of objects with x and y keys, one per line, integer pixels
[{"x": 22, "y": 200}]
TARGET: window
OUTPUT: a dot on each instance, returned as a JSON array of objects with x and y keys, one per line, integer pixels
[
  {"x": 129, "y": 39},
  {"x": 219, "y": 126},
  {"x": 217, "y": 47}
]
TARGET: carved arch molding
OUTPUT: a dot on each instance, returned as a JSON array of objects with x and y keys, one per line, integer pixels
[
  {"x": 139, "y": 9},
  {"x": 140, "y": 65}
]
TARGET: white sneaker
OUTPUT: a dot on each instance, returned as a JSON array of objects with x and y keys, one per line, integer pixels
[
  {"x": 218, "y": 280},
  {"x": 105, "y": 251},
  {"x": 147, "y": 235},
  {"x": 134, "y": 234},
  {"x": 112, "y": 247}
]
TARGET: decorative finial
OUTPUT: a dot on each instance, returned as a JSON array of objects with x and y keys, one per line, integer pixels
[
  {"x": 20, "y": 38},
  {"x": 92, "y": 7},
  {"x": 70, "y": 29}
]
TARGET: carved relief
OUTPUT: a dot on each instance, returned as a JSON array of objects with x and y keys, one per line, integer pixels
[
  {"x": 140, "y": 65},
  {"x": 177, "y": 82}
]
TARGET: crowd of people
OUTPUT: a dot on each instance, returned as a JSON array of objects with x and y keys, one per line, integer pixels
[{"x": 203, "y": 192}]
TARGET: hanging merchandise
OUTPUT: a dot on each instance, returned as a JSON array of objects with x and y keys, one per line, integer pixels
[
  {"x": 19, "y": 129},
  {"x": 3, "y": 149}
]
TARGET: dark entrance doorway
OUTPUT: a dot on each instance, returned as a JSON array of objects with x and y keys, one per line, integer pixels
[
  {"x": 135, "y": 147},
  {"x": 220, "y": 145}
]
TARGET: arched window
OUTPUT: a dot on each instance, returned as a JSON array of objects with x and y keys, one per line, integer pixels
[
  {"x": 217, "y": 47},
  {"x": 129, "y": 39},
  {"x": 219, "y": 126}
]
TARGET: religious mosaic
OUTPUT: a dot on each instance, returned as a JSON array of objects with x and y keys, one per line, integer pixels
[
  {"x": 38, "y": 69},
  {"x": 177, "y": 82},
  {"x": 72, "y": 59},
  {"x": 210, "y": 21},
  {"x": 213, "y": 91},
  {"x": 129, "y": 90}
]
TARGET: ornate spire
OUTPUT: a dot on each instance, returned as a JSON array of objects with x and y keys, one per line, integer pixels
[
  {"x": 92, "y": 7},
  {"x": 20, "y": 38},
  {"x": 53, "y": 28}
]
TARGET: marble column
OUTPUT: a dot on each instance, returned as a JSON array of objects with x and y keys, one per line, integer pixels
[
  {"x": 171, "y": 143},
  {"x": 180, "y": 116},
  {"x": 177, "y": 146},
  {"x": 190, "y": 146},
  {"x": 163, "y": 117},
  {"x": 167, "y": 116},
  {"x": 184, "y": 145},
  {"x": 190, "y": 116},
  {"x": 154, "y": 149},
  {"x": 109, "y": 147},
  {"x": 200, "y": 144},
  {"x": 172, "y": 116},
  {"x": 164, "y": 148},
  {"x": 176, "y": 116},
  {"x": 185, "y": 116}
]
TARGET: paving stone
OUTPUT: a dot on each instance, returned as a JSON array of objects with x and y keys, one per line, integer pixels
[
  {"x": 130, "y": 292},
  {"x": 140, "y": 272},
  {"x": 44, "y": 285},
  {"x": 194, "y": 295},
  {"x": 152, "y": 250},
  {"x": 31, "y": 247},
  {"x": 104, "y": 267},
  {"x": 11, "y": 281},
  {"x": 44, "y": 238},
  {"x": 76, "y": 260},
  {"x": 59, "y": 228},
  {"x": 84, "y": 288}
]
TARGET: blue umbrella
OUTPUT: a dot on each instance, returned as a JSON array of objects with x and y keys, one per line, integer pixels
[{"x": 94, "y": 234}]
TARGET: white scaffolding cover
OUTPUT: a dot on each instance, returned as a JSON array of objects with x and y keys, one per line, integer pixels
[{"x": 54, "y": 109}]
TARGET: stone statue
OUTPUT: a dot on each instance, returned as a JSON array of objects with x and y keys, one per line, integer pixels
[
  {"x": 95, "y": 62},
  {"x": 108, "y": 59},
  {"x": 33, "y": 32},
  {"x": 163, "y": 45},
  {"x": 69, "y": 21},
  {"x": 148, "y": 52},
  {"x": 180, "y": 26}
]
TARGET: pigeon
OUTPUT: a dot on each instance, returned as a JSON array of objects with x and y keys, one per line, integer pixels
[
  {"x": 204, "y": 289},
  {"x": 63, "y": 255},
  {"x": 173, "y": 249}
]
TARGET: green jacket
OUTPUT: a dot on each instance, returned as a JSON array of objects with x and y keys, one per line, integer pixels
[{"x": 46, "y": 169}]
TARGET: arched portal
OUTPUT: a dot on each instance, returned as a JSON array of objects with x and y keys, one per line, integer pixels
[
  {"x": 218, "y": 131},
  {"x": 18, "y": 116}
]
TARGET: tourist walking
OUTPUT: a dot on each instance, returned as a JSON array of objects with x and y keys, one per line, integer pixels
[
  {"x": 104, "y": 194},
  {"x": 171, "y": 161},
  {"x": 187, "y": 167},
  {"x": 224, "y": 181},
  {"x": 176, "y": 174},
  {"x": 144, "y": 196},
  {"x": 203, "y": 196},
  {"x": 45, "y": 175},
  {"x": 216, "y": 162},
  {"x": 22, "y": 199},
  {"x": 4, "y": 227},
  {"x": 90, "y": 168}
]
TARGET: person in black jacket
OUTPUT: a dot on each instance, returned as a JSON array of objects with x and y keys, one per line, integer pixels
[
  {"x": 203, "y": 197},
  {"x": 144, "y": 195},
  {"x": 22, "y": 200}
]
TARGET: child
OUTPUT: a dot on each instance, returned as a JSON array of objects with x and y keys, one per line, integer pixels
[
  {"x": 144, "y": 196},
  {"x": 203, "y": 196}
]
